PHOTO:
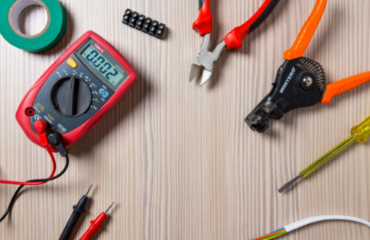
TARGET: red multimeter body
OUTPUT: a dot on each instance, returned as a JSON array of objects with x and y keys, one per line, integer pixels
[{"x": 77, "y": 91}]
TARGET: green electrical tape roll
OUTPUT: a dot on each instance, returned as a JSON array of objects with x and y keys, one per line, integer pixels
[{"x": 48, "y": 38}]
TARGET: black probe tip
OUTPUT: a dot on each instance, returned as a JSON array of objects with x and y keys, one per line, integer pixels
[{"x": 89, "y": 189}]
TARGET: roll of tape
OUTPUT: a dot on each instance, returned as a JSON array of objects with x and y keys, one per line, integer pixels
[{"x": 48, "y": 38}]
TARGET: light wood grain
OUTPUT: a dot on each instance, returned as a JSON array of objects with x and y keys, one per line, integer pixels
[{"x": 177, "y": 158}]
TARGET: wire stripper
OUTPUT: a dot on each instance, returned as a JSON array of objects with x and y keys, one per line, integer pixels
[{"x": 300, "y": 82}]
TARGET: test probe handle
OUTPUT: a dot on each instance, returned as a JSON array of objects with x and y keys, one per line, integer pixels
[
  {"x": 94, "y": 227},
  {"x": 345, "y": 85},
  {"x": 203, "y": 25},
  {"x": 78, "y": 210},
  {"x": 234, "y": 39},
  {"x": 308, "y": 30}
]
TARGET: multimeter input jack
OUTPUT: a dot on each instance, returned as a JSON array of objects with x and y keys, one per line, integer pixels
[{"x": 30, "y": 112}]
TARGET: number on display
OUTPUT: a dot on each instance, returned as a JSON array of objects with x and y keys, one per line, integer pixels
[{"x": 99, "y": 61}]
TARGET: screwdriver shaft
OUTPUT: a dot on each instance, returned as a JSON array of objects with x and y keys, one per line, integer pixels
[
  {"x": 359, "y": 134},
  {"x": 289, "y": 184},
  {"x": 321, "y": 161}
]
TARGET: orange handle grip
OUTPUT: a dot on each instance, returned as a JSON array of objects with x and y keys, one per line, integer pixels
[
  {"x": 308, "y": 30},
  {"x": 345, "y": 85}
]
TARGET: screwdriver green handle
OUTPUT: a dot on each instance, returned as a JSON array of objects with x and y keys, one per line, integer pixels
[{"x": 359, "y": 133}]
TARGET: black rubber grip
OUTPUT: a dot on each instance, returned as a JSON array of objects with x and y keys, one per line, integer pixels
[
  {"x": 201, "y": 3},
  {"x": 70, "y": 226},
  {"x": 77, "y": 211},
  {"x": 264, "y": 15}
]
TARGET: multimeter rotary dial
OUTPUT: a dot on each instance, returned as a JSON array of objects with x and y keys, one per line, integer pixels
[{"x": 71, "y": 96}]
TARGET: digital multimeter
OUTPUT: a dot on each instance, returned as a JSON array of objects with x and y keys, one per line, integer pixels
[{"x": 77, "y": 91}]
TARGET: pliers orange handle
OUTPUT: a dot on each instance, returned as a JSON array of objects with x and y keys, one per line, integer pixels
[
  {"x": 345, "y": 85},
  {"x": 300, "y": 45},
  {"x": 308, "y": 30}
]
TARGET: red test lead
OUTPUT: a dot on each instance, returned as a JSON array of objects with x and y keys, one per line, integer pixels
[
  {"x": 95, "y": 225},
  {"x": 40, "y": 126}
]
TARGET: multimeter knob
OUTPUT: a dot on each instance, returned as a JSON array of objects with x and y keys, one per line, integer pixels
[{"x": 71, "y": 96}]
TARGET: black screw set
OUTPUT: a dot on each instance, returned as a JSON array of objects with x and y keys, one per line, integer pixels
[{"x": 144, "y": 24}]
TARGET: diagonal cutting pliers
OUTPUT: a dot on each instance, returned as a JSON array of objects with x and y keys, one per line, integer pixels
[
  {"x": 234, "y": 40},
  {"x": 300, "y": 82}
]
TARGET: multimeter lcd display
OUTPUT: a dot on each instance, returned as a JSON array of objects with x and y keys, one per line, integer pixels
[{"x": 100, "y": 63}]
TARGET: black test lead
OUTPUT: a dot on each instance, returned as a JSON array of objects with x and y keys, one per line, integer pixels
[{"x": 77, "y": 211}]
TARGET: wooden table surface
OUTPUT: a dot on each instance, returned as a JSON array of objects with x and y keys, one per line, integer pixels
[{"x": 177, "y": 158}]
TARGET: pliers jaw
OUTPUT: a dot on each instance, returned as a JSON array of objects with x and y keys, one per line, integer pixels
[
  {"x": 206, "y": 60},
  {"x": 294, "y": 87}
]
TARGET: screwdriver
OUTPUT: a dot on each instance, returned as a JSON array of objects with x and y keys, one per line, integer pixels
[
  {"x": 77, "y": 211},
  {"x": 95, "y": 225},
  {"x": 359, "y": 134}
]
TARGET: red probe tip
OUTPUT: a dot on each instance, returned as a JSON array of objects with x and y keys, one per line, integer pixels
[{"x": 109, "y": 208}]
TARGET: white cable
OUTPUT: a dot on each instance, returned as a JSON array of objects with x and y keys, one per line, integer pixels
[{"x": 307, "y": 221}]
